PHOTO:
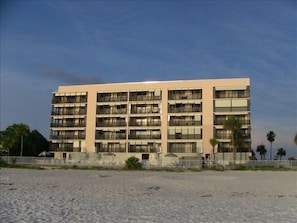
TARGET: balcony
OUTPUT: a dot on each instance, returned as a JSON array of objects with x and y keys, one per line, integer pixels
[
  {"x": 112, "y": 97},
  {"x": 232, "y": 94},
  {"x": 185, "y": 136},
  {"x": 232, "y": 109},
  {"x": 183, "y": 109},
  {"x": 142, "y": 149},
  {"x": 69, "y": 99},
  {"x": 69, "y": 112},
  {"x": 184, "y": 123},
  {"x": 144, "y": 97},
  {"x": 148, "y": 136},
  {"x": 111, "y": 136},
  {"x": 102, "y": 148},
  {"x": 145, "y": 123},
  {"x": 62, "y": 137},
  {"x": 111, "y": 111},
  {"x": 185, "y": 94},
  {"x": 58, "y": 125},
  {"x": 111, "y": 123},
  {"x": 228, "y": 136},
  {"x": 144, "y": 110},
  {"x": 222, "y": 121}
]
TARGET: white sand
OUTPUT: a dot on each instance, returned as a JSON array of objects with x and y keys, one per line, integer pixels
[{"x": 127, "y": 196}]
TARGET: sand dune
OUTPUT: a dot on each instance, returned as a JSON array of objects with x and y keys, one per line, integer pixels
[{"x": 144, "y": 196}]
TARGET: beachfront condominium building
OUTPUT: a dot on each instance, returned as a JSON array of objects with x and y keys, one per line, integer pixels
[{"x": 149, "y": 119}]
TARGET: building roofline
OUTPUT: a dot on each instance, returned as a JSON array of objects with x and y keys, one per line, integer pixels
[{"x": 160, "y": 81}]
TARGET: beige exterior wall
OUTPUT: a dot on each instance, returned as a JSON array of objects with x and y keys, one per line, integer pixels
[{"x": 208, "y": 90}]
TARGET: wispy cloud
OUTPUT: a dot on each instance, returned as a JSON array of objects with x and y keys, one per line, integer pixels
[{"x": 60, "y": 74}]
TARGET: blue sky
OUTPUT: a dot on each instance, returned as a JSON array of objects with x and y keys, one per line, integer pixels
[{"x": 45, "y": 44}]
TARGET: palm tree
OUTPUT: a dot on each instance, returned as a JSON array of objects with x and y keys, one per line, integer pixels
[
  {"x": 21, "y": 130},
  {"x": 262, "y": 151},
  {"x": 281, "y": 152},
  {"x": 295, "y": 139},
  {"x": 270, "y": 138},
  {"x": 233, "y": 125},
  {"x": 213, "y": 143}
]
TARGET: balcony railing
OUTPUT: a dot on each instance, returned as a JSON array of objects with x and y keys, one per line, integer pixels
[
  {"x": 133, "y": 136},
  {"x": 119, "y": 136},
  {"x": 149, "y": 123},
  {"x": 142, "y": 149},
  {"x": 69, "y": 100},
  {"x": 185, "y": 136},
  {"x": 107, "y": 149},
  {"x": 112, "y": 99},
  {"x": 231, "y": 95},
  {"x": 110, "y": 111},
  {"x": 68, "y": 124},
  {"x": 144, "y": 98},
  {"x": 70, "y": 112},
  {"x": 228, "y": 136},
  {"x": 61, "y": 137},
  {"x": 181, "y": 150},
  {"x": 231, "y": 109},
  {"x": 184, "y": 123},
  {"x": 184, "y": 97},
  {"x": 144, "y": 110},
  {"x": 222, "y": 121},
  {"x": 183, "y": 110},
  {"x": 113, "y": 124}
]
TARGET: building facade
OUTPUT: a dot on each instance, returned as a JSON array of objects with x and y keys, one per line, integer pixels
[{"x": 149, "y": 119}]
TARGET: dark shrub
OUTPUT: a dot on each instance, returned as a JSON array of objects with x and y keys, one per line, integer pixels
[{"x": 133, "y": 163}]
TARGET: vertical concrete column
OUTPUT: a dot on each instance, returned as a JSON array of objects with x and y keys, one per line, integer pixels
[
  {"x": 91, "y": 120},
  {"x": 164, "y": 122},
  {"x": 207, "y": 117}
]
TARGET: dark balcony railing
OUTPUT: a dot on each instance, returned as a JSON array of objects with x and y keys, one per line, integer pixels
[
  {"x": 142, "y": 149},
  {"x": 133, "y": 136},
  {"x": 172, "y": 149},
  {"x": 148, "y": 123},
  {"x": 68, "y": 124},
  {"x": 184, "y": 97},
  {"x": 119, "y": 136},
  {"x": 144, "y": 98},
  {"x": 113, "y": 124},
  {"x": 185, "y": 136},
  {"x": 231, "y": 95},
  {"x": 110, "y": 111},
  {"x": 228, "y": 136},
  {"x": 69, "y": 112},
  {"x": 61, "y": 137},
  {"x": 107, "y": 149},
  {"x": 69, "y": 100},
  {"x": 112, "y": 99},
  {"x": 222, "y": 121},
  {"x": 144, "y": 110},
  {"x": 183, "y": 110},
  {"x": 184, "y": 123},
  {"x": 231, "y": 109}
]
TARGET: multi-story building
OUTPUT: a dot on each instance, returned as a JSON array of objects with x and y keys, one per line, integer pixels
[{"x": 149, "y": 119}]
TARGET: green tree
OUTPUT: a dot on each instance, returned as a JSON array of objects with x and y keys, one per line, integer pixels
[
  {"x": 7, "y": 140},
  {"x": 262, "y": 151},
  {"x": 281, "y": 152},
  {"x": 10, "y": 141},
  {"x": 213, "y": 143},
  {"x": 233, "y": 125},
  {"x": 270, "y": 137}
]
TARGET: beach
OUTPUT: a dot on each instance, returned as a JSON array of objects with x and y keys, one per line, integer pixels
[{"x": 56, "y": 195}]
